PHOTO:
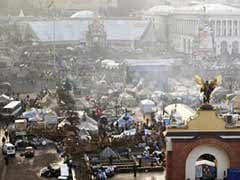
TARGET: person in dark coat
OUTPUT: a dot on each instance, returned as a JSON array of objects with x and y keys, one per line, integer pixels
[
  {"x": 134, "y": 170},
  {"x": 6, "y": 159},
  {"x": 3, "y": 140}
]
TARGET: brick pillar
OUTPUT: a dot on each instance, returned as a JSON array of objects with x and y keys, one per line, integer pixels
[{"x": 169, "y": 168}]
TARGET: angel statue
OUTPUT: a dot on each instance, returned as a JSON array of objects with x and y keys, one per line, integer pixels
[{"x": 208, "y": 87}]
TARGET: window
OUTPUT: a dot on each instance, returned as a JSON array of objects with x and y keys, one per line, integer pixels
[
  {"x": 230, "y": 28},
  {"x": 218, "y": 28},
  {"x": 212, "y": 24},
  {"x": 235, "y": 27},
  {"x": 224, "y": 29}
]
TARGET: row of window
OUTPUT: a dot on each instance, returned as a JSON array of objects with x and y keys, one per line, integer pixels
[
  {"x": 220, "y": 28},
  {"x": 225, "y": 27},
  {"x": 184, "y": 26}
]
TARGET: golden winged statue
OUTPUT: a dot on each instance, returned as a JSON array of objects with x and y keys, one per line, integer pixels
[{"x": 208, "y": 87}]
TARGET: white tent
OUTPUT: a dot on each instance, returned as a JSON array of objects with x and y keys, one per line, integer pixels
[
  {"x": 130, "y": 132},
  {"x": 86, "y": 122},
  {"x": 128, "y": 100},
  {"x": 107, "y": 153},
  {"x": 5, "y": 99},
  {"x": 147, "y": 106},
  {"x": 181, "y": 110},
  {"x": 110, "y": 64}
]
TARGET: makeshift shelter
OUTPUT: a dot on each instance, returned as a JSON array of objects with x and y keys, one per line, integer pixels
[
  {"x": 147, "y": 106},
  {"x": 219, "y": 94},
  {"x": 108, "y": 153},
  {"x": 64, "y": 123},
  {"x": 84, "y": 135},
  {"x": 87, "y": 123},
  {"x": 51, "y": 118},
  {"x": 144, "y": 93},
  {"x": 236, "y": 103},
  {"x": 180, "y": 110},
  {"x": 110, "y": 64},
  {"x": 130, "y": 132},
  {"x": 158, "y": 95},
  {"x": 127, "y": 100},
  {"x": 33, "y": 114},
  {"x": 4, "y": 100},
  {"x": 125, "y": 121}
]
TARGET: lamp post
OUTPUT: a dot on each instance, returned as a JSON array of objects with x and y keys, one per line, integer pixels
[{"x": 52, "y": 6}]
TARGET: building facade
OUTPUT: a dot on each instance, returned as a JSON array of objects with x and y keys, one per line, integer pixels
[
  {"x": 206, "y": 139},
  {"x": 121, "y": 35},
  {"x": 212, "y": 28}
]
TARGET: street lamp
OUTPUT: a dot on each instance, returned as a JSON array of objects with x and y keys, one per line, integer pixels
[{"x": 52, "y": 6}]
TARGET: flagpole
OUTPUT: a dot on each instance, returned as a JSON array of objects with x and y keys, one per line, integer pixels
[{"x": 52, "y": 4}]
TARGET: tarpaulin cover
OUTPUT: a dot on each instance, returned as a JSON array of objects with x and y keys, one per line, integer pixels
[{"x": 233, "y": 174}]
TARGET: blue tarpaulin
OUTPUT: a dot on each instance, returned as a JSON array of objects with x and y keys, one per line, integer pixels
[{"x": 233, "y": 174}]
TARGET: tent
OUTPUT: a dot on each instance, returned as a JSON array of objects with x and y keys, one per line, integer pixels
[
  {"x": 4, "y": 100},
  {"x": 110, "y": 64},
  {"x": 86, "y": 122},
  {"x": 181, "y": 110},
  {"x": 159, "y": 95},
  {"x": 128, "y": 100},
  {"x": 236, "y": 103},
  {"x": 130, "y": 132},
  {"x": 107, "y": 153},
  {"x": 219, "y": 94},
  {"x": 63, "y": 123},
  {"x": 147, "y": 106},
  {"x": 126, "y": 120}
]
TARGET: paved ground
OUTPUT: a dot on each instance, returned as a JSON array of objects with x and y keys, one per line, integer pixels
[
  {"x": 27, "y": 87},
  {"x": 21, "y": 168},
  {"x": 140, "y": 176}
]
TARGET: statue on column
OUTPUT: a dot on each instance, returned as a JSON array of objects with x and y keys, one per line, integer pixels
[{"x": 208, "y": 87}]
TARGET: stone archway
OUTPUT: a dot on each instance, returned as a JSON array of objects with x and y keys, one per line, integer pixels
[{"x": 220, "y": 155}]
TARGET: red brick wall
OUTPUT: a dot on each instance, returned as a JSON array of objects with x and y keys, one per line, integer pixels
[{"x": 176, "y": 159}]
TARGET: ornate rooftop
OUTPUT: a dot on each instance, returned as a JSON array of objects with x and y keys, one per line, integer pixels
[{"x": 206, "y": 121}]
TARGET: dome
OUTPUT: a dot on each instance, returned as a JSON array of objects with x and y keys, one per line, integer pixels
[
  {"x": 160, "y": 10},
  {"x": 83, "y": 14}
]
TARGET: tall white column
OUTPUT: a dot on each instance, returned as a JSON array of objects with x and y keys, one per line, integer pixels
[
  {"x": 237, "y": 28},
  {"x": 227, "y": 28},
  {"x": 220, "y": 28}
]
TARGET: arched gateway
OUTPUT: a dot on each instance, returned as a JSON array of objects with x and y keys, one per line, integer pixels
[
  {"x": 207, "y": 141},
  {"x": 221, "y": 160}
]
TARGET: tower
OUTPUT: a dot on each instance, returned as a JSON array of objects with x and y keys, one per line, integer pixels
[{"x": 96, "y": 35}]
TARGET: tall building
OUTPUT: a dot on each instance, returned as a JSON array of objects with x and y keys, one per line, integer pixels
[{"x": 196, "y": 28}]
